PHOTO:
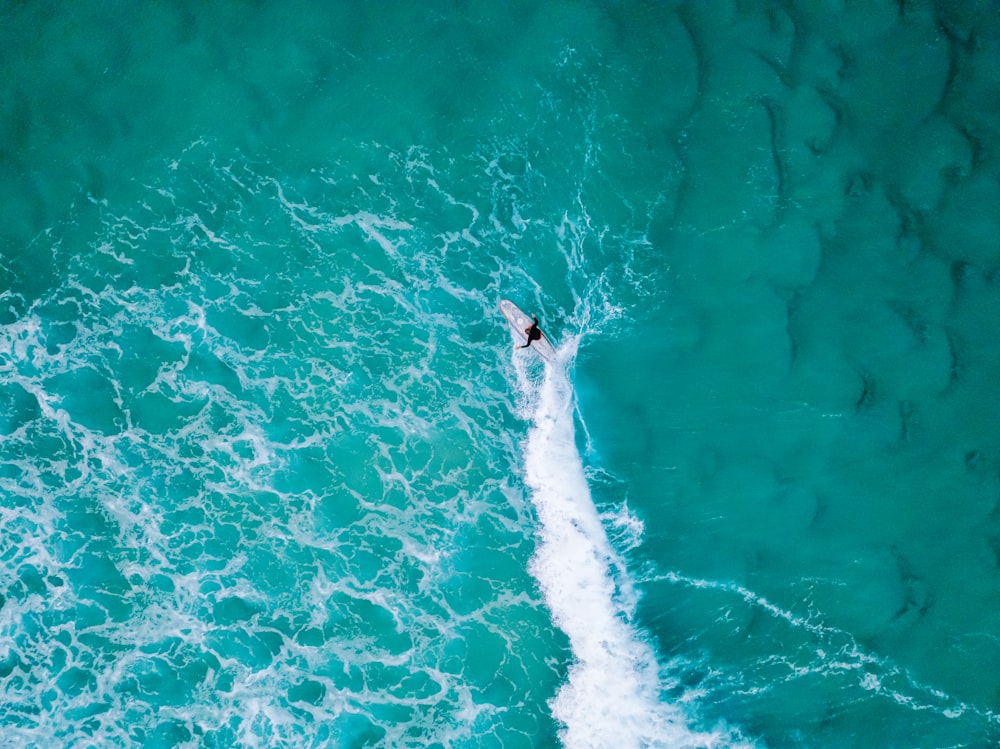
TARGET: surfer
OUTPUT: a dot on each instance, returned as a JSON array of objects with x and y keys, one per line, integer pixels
[{"x": 534, "y": 332}]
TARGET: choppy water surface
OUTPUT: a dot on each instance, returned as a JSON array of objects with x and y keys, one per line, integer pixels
[{"x": 272, "y": 475}]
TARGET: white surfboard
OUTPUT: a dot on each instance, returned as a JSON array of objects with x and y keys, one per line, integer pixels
[{"x": 519, "y": 324}]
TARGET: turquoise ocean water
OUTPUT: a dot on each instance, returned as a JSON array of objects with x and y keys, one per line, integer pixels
[{"x": 271, "y": 474}]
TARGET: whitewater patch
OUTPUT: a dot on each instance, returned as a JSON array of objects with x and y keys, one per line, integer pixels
[{"x": 614, "y": 692}]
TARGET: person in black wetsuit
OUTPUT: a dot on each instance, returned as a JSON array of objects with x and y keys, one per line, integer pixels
[{"x": 534, "y": 332}]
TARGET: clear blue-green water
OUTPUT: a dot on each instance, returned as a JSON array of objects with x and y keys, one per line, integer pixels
[{"x": 272, "y": 475}]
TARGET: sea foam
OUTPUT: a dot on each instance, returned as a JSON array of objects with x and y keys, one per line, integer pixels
[{"x": 614, "y": 692}]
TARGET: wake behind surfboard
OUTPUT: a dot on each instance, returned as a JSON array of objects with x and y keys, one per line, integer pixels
[{"x": 519, "y": 323}]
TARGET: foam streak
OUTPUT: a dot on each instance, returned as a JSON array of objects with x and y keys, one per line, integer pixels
[{"x": 612, "y": 696}]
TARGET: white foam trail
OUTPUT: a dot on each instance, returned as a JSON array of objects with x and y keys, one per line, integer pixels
[
  {"x": 840, "y": 652},
  {"x": 612, "y": 696}
]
